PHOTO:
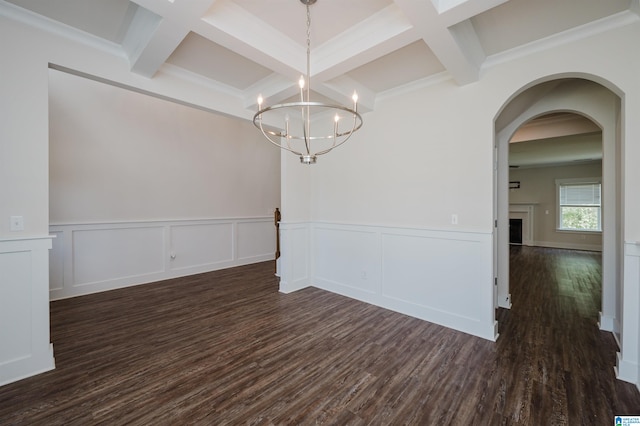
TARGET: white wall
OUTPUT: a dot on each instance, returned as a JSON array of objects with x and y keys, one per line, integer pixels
[
  {"x": 413, "y": 164},
  {"x": 24, "y": 314},
  {"x": 117, "y": 155}
]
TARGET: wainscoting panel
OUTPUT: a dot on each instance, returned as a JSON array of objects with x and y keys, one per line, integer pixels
[
  {"x": 25, "y": 345},
  {"x": 17, "y": 265},
  {"x": 101, "y": 255},
  {"x": 255, "y": 239},
  {"x": 201, "y": 244},
  {"x": 88, "y": 258},
  {"x": 437, "y": 274},
  {"x": 56, "y": 261},
  {"x": 295, "y": 266},
  {"x": 348, "y": 258},
  {"x": 628, "y": 365},
  {"x": 440, "y": 276}
]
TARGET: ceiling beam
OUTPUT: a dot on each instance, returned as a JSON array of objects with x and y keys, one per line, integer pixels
[
  {"x": 376, "y": 36},
  {"x": 341, "y": 90},
  {"x": 457, "y": 47},
  {"x": 157, "y": 30},
  {"x": 466, "y": 10},
  {"x": 226, "y": 25}
]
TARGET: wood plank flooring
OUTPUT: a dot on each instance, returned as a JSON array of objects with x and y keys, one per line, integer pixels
[{"x": 226, "y": 348}]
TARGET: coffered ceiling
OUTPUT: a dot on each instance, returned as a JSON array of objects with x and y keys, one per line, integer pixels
[{"x": 248, "y": 47}]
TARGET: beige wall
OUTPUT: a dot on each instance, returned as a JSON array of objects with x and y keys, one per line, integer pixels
[
  {"x": 117, "y": 155},
  {"x": 538, "y": 187}
]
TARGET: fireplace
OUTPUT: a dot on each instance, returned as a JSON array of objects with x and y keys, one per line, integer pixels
[
  {"x": 515, "y": 231},
  {"x": 521, "y": 224}
]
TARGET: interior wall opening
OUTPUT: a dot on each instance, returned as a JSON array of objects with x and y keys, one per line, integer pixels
[{"x": 578, "y": 120}]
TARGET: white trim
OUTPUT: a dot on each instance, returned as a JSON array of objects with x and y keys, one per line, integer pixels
[
  {"x": 611, "y": 324},
  {"x": 409, "y": 270},
  {"x": 416, "y": 85},
  {"x": 568, "y": 246},
  {"x": 618, "y": 20},
  {"x": 572, "y": 181},
  {"x": 51, "y": 26},
  {"x": 627, "y": 370},
  {"x": 529, "y": 210},
  {"x": 295, "y": 262},
  {"x": 628, "y": 365},
  {"x": 26, "y": 350}
]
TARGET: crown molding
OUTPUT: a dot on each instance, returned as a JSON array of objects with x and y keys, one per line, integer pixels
[
  {"x": 56, "y": 28},
  {"x": 199, "y": 80},
  {"x": 431, "y": 80},
  {"x": 590, "y": 29}
]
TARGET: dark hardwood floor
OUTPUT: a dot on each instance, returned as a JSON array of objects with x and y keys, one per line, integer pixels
[{"x": 226, "y": 348}]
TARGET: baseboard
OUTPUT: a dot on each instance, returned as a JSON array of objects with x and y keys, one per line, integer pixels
[
  {"x": 504, "y": 301},
  {"x": 15, "y": 370},
  {"x": 607, "y": 323},
  {"x": 568, "y": 246},
  {"x": 627, "y": 371}
]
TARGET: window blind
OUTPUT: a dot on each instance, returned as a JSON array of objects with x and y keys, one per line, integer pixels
[{"x": 580, "y": 194}]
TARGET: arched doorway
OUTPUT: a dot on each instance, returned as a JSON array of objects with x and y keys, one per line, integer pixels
[{"x": 602, "y": 106}]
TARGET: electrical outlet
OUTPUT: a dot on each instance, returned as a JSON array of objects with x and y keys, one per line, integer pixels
[{"x": 17, "y": 223}]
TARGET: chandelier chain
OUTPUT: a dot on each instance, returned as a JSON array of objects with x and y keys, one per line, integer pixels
[
  {"x": 308, "y": 29},
  {"x": 308, "y": 48},
  {"x": 306, "y": 119}
]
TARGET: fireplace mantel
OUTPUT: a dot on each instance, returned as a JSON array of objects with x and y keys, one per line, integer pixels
[{"x": 525, "y": 212}]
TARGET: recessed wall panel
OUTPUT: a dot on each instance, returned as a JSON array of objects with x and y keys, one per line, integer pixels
[
  {"x": 441, "y": 274},
  {"x": 108, "y": 254},
  {"x": 15, "y": 306},
  {"x": 300, "y": 257},
  {"x": 347, "y": 257},
  {"x": 56, "y": 262},
  {"x": 256, "y": 239},
  {"x": 194, "y": 245}
]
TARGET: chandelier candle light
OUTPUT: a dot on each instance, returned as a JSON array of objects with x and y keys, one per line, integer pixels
[{"x": 302, "y": 143}]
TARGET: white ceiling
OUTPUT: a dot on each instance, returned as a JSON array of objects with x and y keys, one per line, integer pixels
[
  {"x": 556, "y": 139},
  {"x": 249, "y": 47}
]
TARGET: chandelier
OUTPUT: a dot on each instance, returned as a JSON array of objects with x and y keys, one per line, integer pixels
[{"x": 298, "y": 115}]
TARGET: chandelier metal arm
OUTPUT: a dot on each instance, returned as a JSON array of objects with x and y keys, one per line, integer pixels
[
  {"x": 338, "y": 135},
  {"x": 292, "y": 105},
  {"x": 305, "y": 126},
  {"x": 266, "y": 134}
]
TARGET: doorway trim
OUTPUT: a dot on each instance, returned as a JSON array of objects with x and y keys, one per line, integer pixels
[{"x": 600, "y": 103}]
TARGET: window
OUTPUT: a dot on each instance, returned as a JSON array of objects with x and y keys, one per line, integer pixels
[{"x": 579, "y": 205}]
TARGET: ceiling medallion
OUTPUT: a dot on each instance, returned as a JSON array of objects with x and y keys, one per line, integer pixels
[{"x": 298, "y": 115}]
